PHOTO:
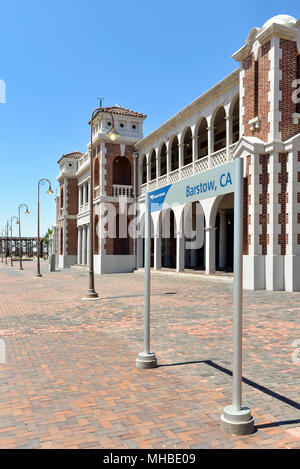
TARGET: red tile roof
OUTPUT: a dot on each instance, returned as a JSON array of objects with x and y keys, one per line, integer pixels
[
  {"x": 122, "y": 111},
  {"x": 74, "y": 154}
]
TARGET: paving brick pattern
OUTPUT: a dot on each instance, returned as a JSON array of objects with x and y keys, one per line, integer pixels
[{"x": 70, "y": 379}]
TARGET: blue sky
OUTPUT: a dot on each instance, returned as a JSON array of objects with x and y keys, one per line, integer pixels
[{"x": 57, "y": 57}]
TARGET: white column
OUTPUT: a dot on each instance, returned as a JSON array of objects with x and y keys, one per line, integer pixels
[
  {"x": 228, "y": 134},
  {"x": 84, "y": 253},
  {"x": 168, "y": 164},
  {"x": 87, "y": 242},
  {"x": 180, "y": 157},
  {"x": 180, "y": 247},
  {"x": 222, "y": 240},
  {"x": 210, "y": 141},
  {"x": 195, "y": 149},
  {"x": 157, "y": 162},
  {"x": 148, "y": 169},
  {"x": 79, "y": 245},
  {"x": 210, "y": 250}
]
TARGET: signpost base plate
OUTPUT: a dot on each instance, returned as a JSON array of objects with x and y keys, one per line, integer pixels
[
  {"x": 145, "y": 360},
  {"x": 237, "y": 422}
]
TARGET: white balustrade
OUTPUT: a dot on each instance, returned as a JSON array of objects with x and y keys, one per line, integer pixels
[
  {"x": 201, "y": 165},
  {"x": 187, "y": 171},
  {"x": 121, "y": 190},
  {"x": 218, "y": 158},
  {"x": 162, "y": 181},
  {"x": 174, "y": 176}
]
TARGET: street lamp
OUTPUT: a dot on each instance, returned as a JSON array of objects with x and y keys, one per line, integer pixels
[
  {"x": 19, "y": 223},
  {"x": 3, "y": 244},
  {"x": 11, "y": 250},
  {"x": 50, "y": 192},
  {"x": 112, "y": 135},
  {"x": 6, "y": 243}
]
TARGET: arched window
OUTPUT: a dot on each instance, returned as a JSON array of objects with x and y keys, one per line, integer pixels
[
  {"x": 121, "y": 171},
  {"x": 96, "y": 237},
  {"x": 96, "y": 173},
  {"x": 220, "y": 129},
  {"x": 144, "y": 169},
  {"x": 153, "y": 165},
  {"x": 163, "y": 160},
  {"x": 202, "y": 138},
  {"x": 61, "y": 197},
  {"x": 174, "y": 154},
  {"x": 188, "y": 147}
]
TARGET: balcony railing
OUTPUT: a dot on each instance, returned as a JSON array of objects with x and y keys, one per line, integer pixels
[
  {"x": 122, "y": 191},
  {"x": 83, "y": 160},
  {"x": 218, "y": 158},
  {"x": 84, "y": 208}
]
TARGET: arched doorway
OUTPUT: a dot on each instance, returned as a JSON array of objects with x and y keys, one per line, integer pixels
[
  {"x": 194, "y": 223},
  {"x": 121, "y": 171},
  {"x": 168, "y": 239}
]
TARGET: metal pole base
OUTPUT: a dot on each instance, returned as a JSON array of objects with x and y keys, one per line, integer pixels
[
  {"x": 38, "y": 275},
  {"x": 91, "y": 295},
  {"x": 145, "y": 360},
  {"x": 237, "y": 422}
]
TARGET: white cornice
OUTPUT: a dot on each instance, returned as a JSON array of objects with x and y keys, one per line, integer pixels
[
  {"x": 217, "y": 89},
  {"x": 290, "y": 32}
]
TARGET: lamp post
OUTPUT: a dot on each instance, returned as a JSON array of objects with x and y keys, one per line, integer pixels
[
  {"x": 6, "y": 243},
  {"x": 19, "y": 223},
  {"x": 50, "y": 192},
  {"x": 11, "y": 250},
  {"x": 2, "y": 245},
  {"x": 112, "y": 135}
]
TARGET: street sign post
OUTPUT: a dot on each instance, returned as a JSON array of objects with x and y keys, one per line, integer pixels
[{"x": 236, "y": 418}]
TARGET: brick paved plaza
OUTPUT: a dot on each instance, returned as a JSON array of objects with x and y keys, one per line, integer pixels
[{"x": 70, "y": 379}]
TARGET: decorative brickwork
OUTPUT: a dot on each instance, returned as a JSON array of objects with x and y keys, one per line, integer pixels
[
  {"x": 109, "y": 243},
  {"x": 288, "y": 65},
  {"x": 283, "y": 216},
  {"x": 112, "y": 151},
  {"x": 71, "y": 236},
  {"x": 72, "y": 197},
  {"x": 246, "y": 203},
  {"x": 264, "y": 200},
  {"x": 256, "y": 88}
]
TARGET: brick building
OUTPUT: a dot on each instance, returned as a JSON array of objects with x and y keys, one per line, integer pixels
[{"x": 252, "y": 114}]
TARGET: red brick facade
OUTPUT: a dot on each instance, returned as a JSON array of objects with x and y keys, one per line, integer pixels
[
  {"x": 71, "y": 236},
  {"x": 113, "y": 150},
  {"x": 283, "y": 216},
  {"x": 246, "y": 203},
  {"x": 255, "y": 99},
  {"x": 109, "y": 243},
  {"x": 288, "y": 65},
  {"x": 264, "y": 179},
  {"x": 72, "y": 197}
]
